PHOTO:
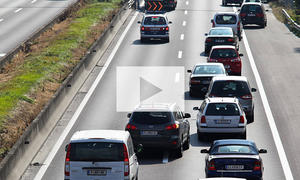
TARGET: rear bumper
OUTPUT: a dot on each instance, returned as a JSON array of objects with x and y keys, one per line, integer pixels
[
  {"x": 237, "y": 130},
  {"x": 249, "y": 175},
  {"x": 171, "y": 142},
  {"x": 234, "y": 1},
  {"x": 210, "y": 45},
  {"x": 199, "y": 88},
  {"x": 155, "y": 35},
  {"x": 253, "y": 21}
]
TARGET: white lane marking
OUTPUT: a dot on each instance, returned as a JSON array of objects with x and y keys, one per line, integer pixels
[
  {"x": 1, "y": 20},
  {"x": 2, "y": 54},
  {"x": 74, "y": 118},
  {"x": 182, "y": 37},
  {"x": 18, "y": 10},
  {"x": 184, "y": 23},
  {"x": 179, "y": 54},
  {"x": 185, "y": 12},
  {"x": 33, "y": 1},
  {"x": 166, "y": 157},
  {"x": 177, "y": 77},
  {"x": 187, "y": 2}
]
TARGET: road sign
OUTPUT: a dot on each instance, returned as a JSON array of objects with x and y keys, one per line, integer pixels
[{"x": 154, "y": 5}]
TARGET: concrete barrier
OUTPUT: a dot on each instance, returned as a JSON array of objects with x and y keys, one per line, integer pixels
[{"x": 8, "y": 164}]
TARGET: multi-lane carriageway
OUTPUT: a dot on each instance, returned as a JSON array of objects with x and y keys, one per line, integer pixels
[{"x": 271, "y": 63}]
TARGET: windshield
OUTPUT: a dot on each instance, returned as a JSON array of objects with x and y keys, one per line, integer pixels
[
  {"x": 222, "y": 109},
  {"x": 226, "y": 19},
  {"x": 223, "y": 53},
  {"x": 96, "y": 151},
  {"x": 234, "y": 149},
  {"x": 251, "y": 8},
  {"x": 208, "y": 69},
  {"x": 151, "y": 117},
  {"x": 220, "y": 32},
  {"x": 230, "y": 88},
  {"x": 155, "y": 20}
]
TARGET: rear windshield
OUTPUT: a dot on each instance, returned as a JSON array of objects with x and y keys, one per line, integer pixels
[
  {"x": 222, "y": 109},
  {"x": 226, "y": 19},
  {"x": 155, "y": 20},
  {"x": 234, "y": 149},
  {"x": 251, "y": 8},
  {"x": 220, "y": 32},
  {"x": 96, "y": 151},
  {"x": 151, "y": 117},
  {"x": 223, "y": 53},
  {"x": 208, "y": 69},
  {"x": 252, "y": 0},
  {"x": 230, "y": 88}
]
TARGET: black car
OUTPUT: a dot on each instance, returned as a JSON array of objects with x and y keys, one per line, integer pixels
[
  {"x": 253, "y": 13},
  {"x": 234, "y": 158},
  {"x": 160, "y": 126},
  {"x": 220, "y": 36},
  {"x": 225, "y": 2}
]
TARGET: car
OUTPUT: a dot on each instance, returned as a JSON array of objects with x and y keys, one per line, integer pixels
[
  {"x": 106, "y": 153},
  {"x": 154, "y": 26},
  {"x": 201, "y": 76},
  {"x": 222, "y": 178},
  {"x": 234, "y": 86},
  {"x": 253, "y": 13},
  {"x": 229, "y": 56},
  {"x": 220, "y": 116},
  {"x": 220, "y": 36},
  {"x": 234, "y": 158},
  {"x": 225, "y": 2},
  {"x": 228, "y": 19},
  {"x": 160, "y": 125},
  {"x": 245, "y": 1}
]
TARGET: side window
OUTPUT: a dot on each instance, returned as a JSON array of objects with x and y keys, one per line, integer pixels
[
  {"x": 130, "y": 146},
  {"x": 177, "y": 114},
  {"x": 202, "y": 107}
]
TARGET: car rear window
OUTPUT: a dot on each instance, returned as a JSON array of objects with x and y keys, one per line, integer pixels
[
  {"x": 151, "y": 117},
  {"x": 222, "y": 109},
  {"x": 230, "y": 88},
  {"x": 226, "y": 19},
  {"x": 220, "y": 32},
  {"x": 234, "y": 149},
  {"x": 96, "y": 151},
  {"x": 251, "y": 8},
  {"x": 155, "y": 20},
  {"x": 223, "y": 53},
  {"x": 208, "y": 69}
]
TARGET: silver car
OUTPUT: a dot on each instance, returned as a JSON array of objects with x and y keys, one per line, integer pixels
[{"x": 220, "y": 115}]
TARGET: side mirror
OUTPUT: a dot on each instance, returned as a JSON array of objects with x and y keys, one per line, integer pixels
[
  {"x": 195, "y": 108},
  {"x": 128, "y": 115},
  {"x": 262, "y": 151},
  {"x": 170, "y": 22},
  {"x": 205, "y": 34},
  {"x": 66, "y": 147},
  {"x": 253, "y": 90},
  {"x": 241, "y": 55},
  {"x": 267, "y": 10},
  {"x": 239, "y": 10},
  {"x": 204, "y": 151},
  {"x": 187, "y": 115},
  {"x": 139, "y": 148},
  {"x": 189, "y": 71},
  {"x": 211, "y": 20},
  {"x": 139, "y": 22}
]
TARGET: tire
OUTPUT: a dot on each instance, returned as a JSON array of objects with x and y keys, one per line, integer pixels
[
  {"x": 206, "y": 50},
  {"x": 244, "y": 135},
  {"x": 179, "y": 151},
  {"x": 192, "y": 94},
  {"x": 201, "y": 136},
  {"x": 143, "y": 40},
  {"x": 167, "y": 39},
  {"x": 250, "y": 117},
  {"x": 263, "y": 25},
  {"x": 186, "y": 144}
]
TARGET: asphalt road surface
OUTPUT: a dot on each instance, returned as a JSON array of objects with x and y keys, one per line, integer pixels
[{"x": 276, "y": 53}]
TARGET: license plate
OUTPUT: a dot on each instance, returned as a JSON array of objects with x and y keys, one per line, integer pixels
[
  {"x": 223, "y": 121},
  {"x": 251, "y": 14},
  {"x": 220, "y": 40},
  {"x": 155, "y": 29},
  {"x": 97, "y": 172},
  {"x": 149, "y": 133},
  {"x": 234, "y": 167},
  {"x": 205, "y": 82}
]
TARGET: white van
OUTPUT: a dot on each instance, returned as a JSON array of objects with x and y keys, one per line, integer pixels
[{"x": 101, "y": 154}]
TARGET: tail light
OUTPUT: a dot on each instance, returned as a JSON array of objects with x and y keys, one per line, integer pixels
[
  {"x": 130, "y": 127},
  {"x": 246, "y": 97},
  {"x": 243, "y": 14},
  {"x": 212, "y": 60},
  {"x": 167, "y": 28},
  {"x": 208, "y": 40},
  {"x": 126, "y": 161},
  {"x": 195, "y": 81},
  {"x": 213, "y": 24},
  {"x": 142, "y": 28},
  {"x": 239, "y": 26},
  {"x": 67, "y": 161},
  {"x": 257, "y": 166},
  {"x": 242, "y": 120},
  {"x": 172, "y": 126},
  {"x": 203, "y": 120},
  {"x": 260, "y": 15},
  {"x": 212, "y": 95},
  {"x": 211, "y": 166},
  {"x": 230, "y": 40}
]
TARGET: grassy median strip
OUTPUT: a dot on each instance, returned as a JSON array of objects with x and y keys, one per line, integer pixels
[{"x": 30, "y": 80}]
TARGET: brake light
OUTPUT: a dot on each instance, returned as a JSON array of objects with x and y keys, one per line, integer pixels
[
  {"x": 242, "y": 120},
  {"x": 243, "y": 14},
  {"x": 248, "y": 96},
  {"x": 126, "y": 161},
  {"x": 211, "y": 166},
  {"x": 194, "y": 81},
  {"x": 142, "y": 28},
  {"x": 203, "y": 120},
  {"x": 257, "y": 166},
  {"x": 230, "y": 40},
  {"x": 130, "y": 127},
  {"x": 167, "y": 28},
  {"x": 213, "y": 24},
  {"x": 172, "y": 126},
  {"x": 67, "y": 161},
  {"x": 208, "y": 40},
  {"x": 239, "y": 26},
  {"x": 260, "y": 15}
]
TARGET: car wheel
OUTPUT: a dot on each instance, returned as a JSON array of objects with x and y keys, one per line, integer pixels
[
  {"x": 206, "y": 50},
  {"x": 250, "y": 117},
  {"x": 201, "y": 136},
  {"x": 179, "y": 151},
  {"x": 191, "y": 92},
  {"x": 143, "y": 40},
  {"x": 263, "y": 25},
  {"x": 167, "y": 39},
  {"x": 186, "y": 144},
  {"x": 244, "y": 135},
  {"x": 240, "y": 37}
]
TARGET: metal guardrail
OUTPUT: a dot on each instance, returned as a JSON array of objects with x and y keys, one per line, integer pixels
[{"x": 288, "y": 20}]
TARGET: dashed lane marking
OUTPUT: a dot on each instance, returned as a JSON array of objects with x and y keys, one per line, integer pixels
[
  {"x": 18, "y": 10},
  {"x": 184, "y": 23},
  {"x": 182, "y": 37},
  {"x": 179, "y": 54}
]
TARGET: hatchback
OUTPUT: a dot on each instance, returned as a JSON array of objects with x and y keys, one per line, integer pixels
[{"x": 253, "y": 13}]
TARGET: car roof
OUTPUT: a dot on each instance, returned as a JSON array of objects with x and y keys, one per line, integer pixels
[
  {"x": 100, "y": 135},
  {"x": 161, "y": 107},
  {"x": 233, "y": 141},
  {"x": 221, "y": 28},
  {"x": 229, "y": 78},
  {"x": 209, "y": 64},
  {"x": 231, "y": 13},
  {"x": 252, "y": 3},
  {"x": 153, "y": 14},
  {"x": 222, "y": 100},
  {"x": 223, "y": 47}
]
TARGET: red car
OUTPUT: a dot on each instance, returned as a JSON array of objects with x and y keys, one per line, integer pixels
[{"x": 229, "y": 56}]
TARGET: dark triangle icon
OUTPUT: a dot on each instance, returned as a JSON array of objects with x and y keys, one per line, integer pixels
[{"x": 147, "y": 89}]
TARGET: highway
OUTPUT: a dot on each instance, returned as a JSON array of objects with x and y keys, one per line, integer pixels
[
  {"x": 276, "y": 53},
  {"x": 19, "y": 19}
]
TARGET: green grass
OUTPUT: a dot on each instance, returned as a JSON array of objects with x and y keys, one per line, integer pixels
[{"x": 53, "y": 60}]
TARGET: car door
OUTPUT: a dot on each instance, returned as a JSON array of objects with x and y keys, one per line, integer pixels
[
  {"x": 186, "y": 124},
  {"x": 133, "y": 161}
]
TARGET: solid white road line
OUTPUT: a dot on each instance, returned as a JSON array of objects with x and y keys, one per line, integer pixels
[
  {"x": 282, "y": 156},
  {"x": 74, "y": 118},
  {"x": 179, "y": 54},
  {"x": 2, "y": 54},
  {"x": 187, "y": 2},
  {"x": 18, "y": 10},
  {"x": 184, "y": 23},
  {"x": 185, "y": 12},
  {"x": 166, "y": 157},
  {"x": 33, "y": 1},
  {"x": 182, "y": 37},
  {"x": 1, "y": 20}
]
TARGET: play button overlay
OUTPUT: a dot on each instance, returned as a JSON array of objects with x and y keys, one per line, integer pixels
[{"x": 148, "y": 85}]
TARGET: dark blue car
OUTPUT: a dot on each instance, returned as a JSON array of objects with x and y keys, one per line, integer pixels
[{"x": 234, "y": 158}]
